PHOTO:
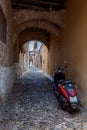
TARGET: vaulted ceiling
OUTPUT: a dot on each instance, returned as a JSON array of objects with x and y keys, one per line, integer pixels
[{"x": 42, "y": 5}]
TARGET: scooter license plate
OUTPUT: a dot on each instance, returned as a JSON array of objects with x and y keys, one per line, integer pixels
[{"x": 73, "y": 99}]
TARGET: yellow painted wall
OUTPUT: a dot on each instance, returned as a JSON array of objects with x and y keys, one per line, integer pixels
[
  {"x": 44, "y": 54},
  {"x": 50, "y": 56},
  {"x": 74, "y": 43},
  {"x": 54, "y": 54}
]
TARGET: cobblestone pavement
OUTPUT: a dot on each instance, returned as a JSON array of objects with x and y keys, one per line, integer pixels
[{"x": 33, "y": 106}]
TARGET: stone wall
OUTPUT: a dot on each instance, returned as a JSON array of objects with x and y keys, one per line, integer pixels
[
  {"x": 6, "y": 49},
  {"x": 46, "y": 20},
  {"x": 7, "y": 76},
  {"x": 7, "y": 68},
  {"x": 21, "y": 16}
]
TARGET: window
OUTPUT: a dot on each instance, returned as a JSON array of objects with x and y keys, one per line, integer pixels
[{"x": 2, "y": 26}]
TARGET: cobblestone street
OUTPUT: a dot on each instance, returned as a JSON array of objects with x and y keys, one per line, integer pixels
[{"x": 33, "y": 106}]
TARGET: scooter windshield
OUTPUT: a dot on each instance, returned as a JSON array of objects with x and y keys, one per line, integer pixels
[{"x": 69, "y": 85}]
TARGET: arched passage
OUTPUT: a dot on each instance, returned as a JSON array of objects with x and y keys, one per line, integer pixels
[
  {"x": 43, "y": 26},
  {"x": 49, "y": 40},
  {"x": 28, "y": 35},
  {"x": 31, "y": 34}
]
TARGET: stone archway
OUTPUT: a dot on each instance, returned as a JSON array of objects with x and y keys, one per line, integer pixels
[
  {"x": 22, "y": 16},
  {"x": 42, "y": 27},
  {"x": 31, "y": 34},
  {"x": 43, "y": 24}
]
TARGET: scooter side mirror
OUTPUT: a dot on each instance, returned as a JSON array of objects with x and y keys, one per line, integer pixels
[{"x": 65, "y": 64}]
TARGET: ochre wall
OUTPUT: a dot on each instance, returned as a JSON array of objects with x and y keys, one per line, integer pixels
[
  {"x": 44, "y": 57},
  {"x": 51, "y": 56},
  {"x": 74, "y": 43},
  {"x": 54, "y": 54}
]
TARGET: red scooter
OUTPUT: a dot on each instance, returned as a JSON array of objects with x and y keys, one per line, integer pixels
[{"x": 66, "y": 91}]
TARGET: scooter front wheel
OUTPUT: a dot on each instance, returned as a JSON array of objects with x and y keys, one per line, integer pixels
[{"x": 71, "y": 109}]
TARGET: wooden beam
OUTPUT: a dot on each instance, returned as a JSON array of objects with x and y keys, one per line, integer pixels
[
  {"x": 26, "y": 6},
  {"x": 37, "y": 4},
  {"x": 47, "y": 2}
]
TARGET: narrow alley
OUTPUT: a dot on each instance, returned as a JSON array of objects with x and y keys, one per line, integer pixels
[{"x": 33, "y": 106}]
